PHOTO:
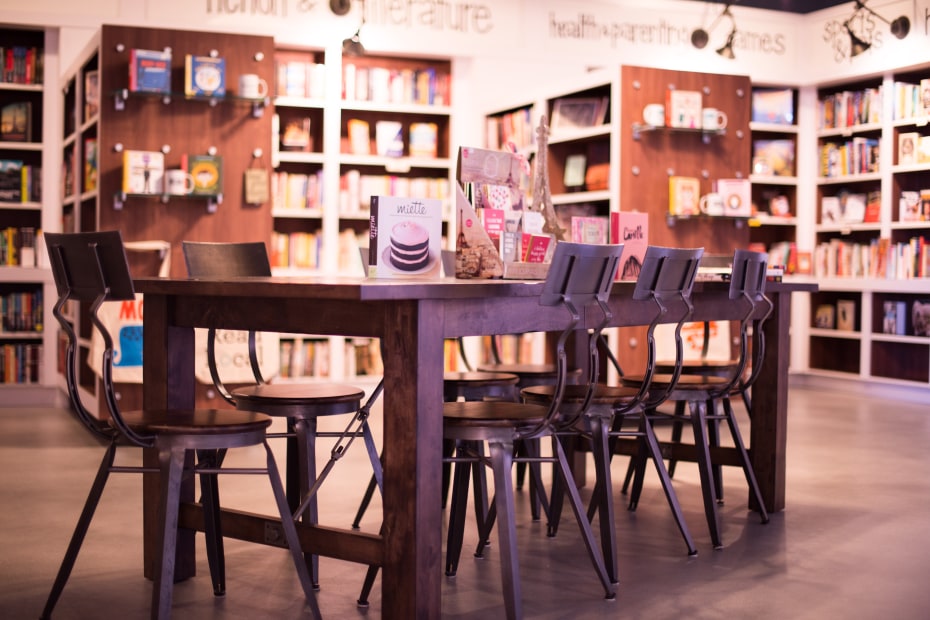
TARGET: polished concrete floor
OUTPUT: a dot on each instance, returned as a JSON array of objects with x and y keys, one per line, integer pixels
[{"x": 854, "y": 541}]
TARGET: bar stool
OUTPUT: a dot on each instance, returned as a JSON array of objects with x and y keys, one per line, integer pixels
[
  {"x": 91, "y": 268},
  {"x": 301, "y": 404},
  {"x": 666, "y": 279},
  {"x": 747, "y": 287}
]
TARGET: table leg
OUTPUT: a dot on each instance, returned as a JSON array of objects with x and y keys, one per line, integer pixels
[
  {"x": 768, "y": 428},
  {"x": 168, "y": 382},
  {"x": 412, "y": 345}
]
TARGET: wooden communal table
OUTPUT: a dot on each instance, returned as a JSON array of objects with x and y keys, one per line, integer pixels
[{"x": 411, "y": 318}]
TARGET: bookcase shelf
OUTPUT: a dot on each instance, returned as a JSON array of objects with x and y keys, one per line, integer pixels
[{"x": 27, "y": 208}]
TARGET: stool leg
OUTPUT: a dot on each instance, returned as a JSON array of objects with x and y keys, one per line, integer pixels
[
  {"x": 457, "y": 512},
  {"x": 744, "y": 457},
  {"x": 210, "y": 499},
  {"x": 699, "y": 424},
  {"x": 603, "y": 494},
  {"x": 677, "y": 426},
  {"x": 305, "y": 430},
  {"x": 80, "y": 530},
  {"x": 171, "y": 467},
  {"x": 502, "y": 464},
  {"x": 713, "y": 439}
]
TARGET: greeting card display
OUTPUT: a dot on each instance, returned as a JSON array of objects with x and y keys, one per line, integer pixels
[{"x": 406, "y": 237}]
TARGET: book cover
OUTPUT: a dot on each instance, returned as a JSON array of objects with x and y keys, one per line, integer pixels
[
  {"x": 423, "y": 140},
  {"x": 492, "y": 220},
  {"x": 737, "y": 196},
  {"x": 846, "y": 315},
  {"x": 830, "y": 210},
  {"x": 143, "y": 172},
  {"x": 537, "y": 248},
  {"x": 631, "y": 228},
  {"x": 825, "y": 316},
  {"x": 204, "y": 76},
  {"x": 405, "y": 237},
  {"x": 389, "y": 138},
  {"x": 296, "y": 135},
  {"x": 775, "y": 157},
  {"x": 91, "y": 94},
  {"x": 207, "y": 171},
  {"x": 683, "y": 195},
  {"x": 475, "y": 254},
  {"x": 873, "y": 207},
  {"x": 683, "y": 108},
  {"x": 16, "y": 122},
  {"x": 923, "y": 150},
  {"x": 925, "y": 96},
  {"x": 150, "y": 71},
  {"x": 90, "y": 164},
  {"x": 909, "y": 206},
  {"x": 589, "y": 229},
  {"x": 11, "y": 183},
  {"x": 359, "y": 136},
  {"x": 773, "y": 106},
  {"x": 894, "y": 317},
  {"x": 907, "y": 148},
  {"x": 852, "y": 207}
]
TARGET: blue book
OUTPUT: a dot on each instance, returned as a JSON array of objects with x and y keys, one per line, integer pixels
[
  {"x": 150, "y": 71},
  {"x": 204, "y": 76}
]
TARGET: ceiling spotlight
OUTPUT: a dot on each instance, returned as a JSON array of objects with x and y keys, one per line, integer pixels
[
  {"x": 700, "y": 36},
  {"x": 353, "y": 45},
  {"x": 727, "y": 49},
  {"x": 900, "y": 28}
]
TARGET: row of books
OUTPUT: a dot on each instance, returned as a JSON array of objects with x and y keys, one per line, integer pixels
[
  {"x": 856, "y": 156},
  {"x": 851, "y": 208},
  {"x": 18, "y": 246},
  {"x": 22, "y": 311},
  {"x": 22, "y": 64},
  {"x": 16, "y": 122},
  {"x": 851, "y": 108},
  {"x": 914, "y": 206},
  {"x": 311, "y": 358},
  {"x": 513, "y": 127},
  {"x": 895, "y": 318},
  {"x": 356, "y": 189},
  {"x": 20, "y": 363},
  {"x": 297, "y": 78},
  {"x": 880, "y": 258},
  {"x": 840, "y": 316},
  {"x": 911, "y": 100},
  {"x": 400, "y": 86},
  {"x": 20, "y": 182},
  {"x": 302, "y": 250},
  {"x": 389, "y": 138},
  {"x": 297, "y": 190}
]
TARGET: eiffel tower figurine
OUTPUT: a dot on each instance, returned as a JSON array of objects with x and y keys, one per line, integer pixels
[{"x": 542, "y": 199}]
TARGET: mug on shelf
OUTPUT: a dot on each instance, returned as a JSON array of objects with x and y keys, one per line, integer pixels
[
  {"x": 713, "y": 119},
  {"x": 654, "y": 114},
  {"x": 252, "y": 87},
  {"x": 178, "y": 182},
  {"x": 711, "y": 204}
]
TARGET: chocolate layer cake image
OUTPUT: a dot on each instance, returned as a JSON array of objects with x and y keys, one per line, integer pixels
[{"x": 409, "y": 246}]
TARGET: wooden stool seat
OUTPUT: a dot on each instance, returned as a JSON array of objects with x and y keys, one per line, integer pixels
[{"x": 296, "y": 400}]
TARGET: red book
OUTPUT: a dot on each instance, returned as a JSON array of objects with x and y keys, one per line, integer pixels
[{"x": 537, "y": 247}]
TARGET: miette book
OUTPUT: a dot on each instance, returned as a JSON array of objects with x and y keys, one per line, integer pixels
[{"x": 406, "y": 237}]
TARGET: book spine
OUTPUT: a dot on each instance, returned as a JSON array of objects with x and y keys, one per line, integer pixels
[{"x": 373, "y": 236}]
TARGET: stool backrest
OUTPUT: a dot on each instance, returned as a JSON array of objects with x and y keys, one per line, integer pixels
[
  {"x": 580, "y": 277},
  {"x": 667, "y": 279},
  {"x": 747, "y": 283},
  {"x": 207, "y": 259},
  {"x": 92, "y": 268}
]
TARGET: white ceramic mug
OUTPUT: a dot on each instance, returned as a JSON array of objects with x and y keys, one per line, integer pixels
[
  {"x": 712, "y": 119},
  {"x": 654, "y": 114},
  {"x": 252, "y": 87},
  {"x": 178, "y": 182},
  {"x": 711, "y": 204}
]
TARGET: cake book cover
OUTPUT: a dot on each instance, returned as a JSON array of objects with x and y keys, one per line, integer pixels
[
  {"x": 631, "y": 228},
  {"x": 204, "y": 76},
  {"x": 207, "y": 171},
  {"x": 150, "y": 71},
  {"x": 406, "y": 237},
  {"x": 683, "y": 195},
  {"x": 143, "y": 172}
]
